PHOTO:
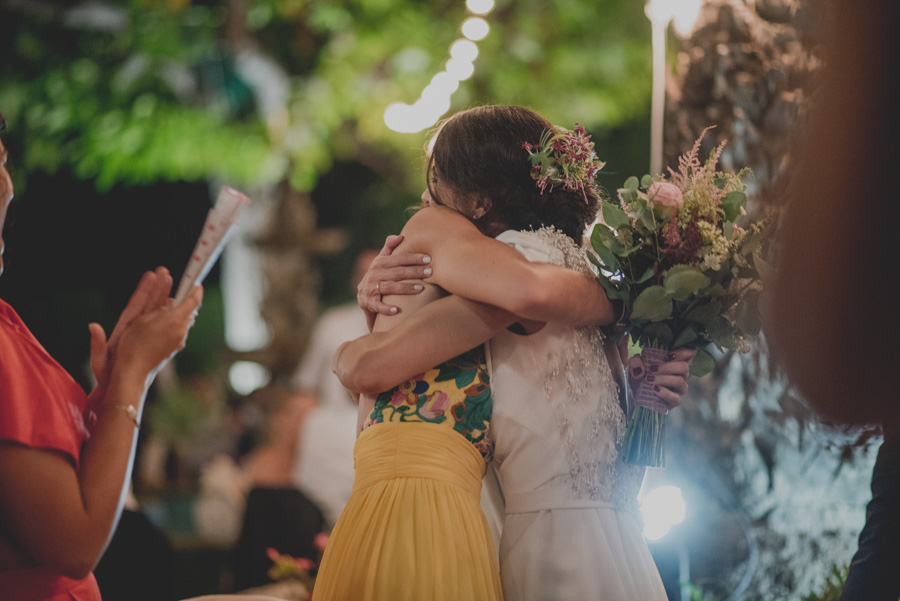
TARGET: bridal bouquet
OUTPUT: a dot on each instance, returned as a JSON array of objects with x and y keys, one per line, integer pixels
[{"x": 670, "y": 249}]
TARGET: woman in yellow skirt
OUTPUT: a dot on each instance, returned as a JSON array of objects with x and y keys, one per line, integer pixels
[{"x": 413, "y": 528}]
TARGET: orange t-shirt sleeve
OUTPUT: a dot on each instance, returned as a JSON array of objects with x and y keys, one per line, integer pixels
[{"x": 41, "y": 405}]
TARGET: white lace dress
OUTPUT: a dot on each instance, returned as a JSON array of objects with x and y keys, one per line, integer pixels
[{"x": 571, "y": 529}]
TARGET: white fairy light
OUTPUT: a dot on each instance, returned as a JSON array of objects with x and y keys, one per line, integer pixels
[
  {"x": 475, "y": 28},
  {"x": 465, "y": 50},
  {"x": 445, "y": 82},
  {"x": 459, "y": 69},
  {"x": 435, "y": 98},
  {"x": 480, "y": 7}
]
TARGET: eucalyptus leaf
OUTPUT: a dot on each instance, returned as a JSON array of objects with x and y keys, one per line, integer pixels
[
  {"x": 646, "y": 182},
  {"x": 647, "y": 275},
  {"x": 728, "y": 230},
  {"x": 612, "y": 290},
  {"x": 732, "y": 204},
  {"x": 703, "y": 363},
  {"x": 653, "y": 304},
  {"x": 614, "y": 216},
  {"x": 648, "y": 219},
  {"x": 721, "y": 332},
  {"x": 687, "y": 336},
  {"x": 659, "y": 335},
  {"x": 592, "y": 257},
  {"x": 682, "y": 283},
  {"x": 705, "y": 312},
  {"x": 626, "y": 195},
  {"x": 607, "y": 237},
  {"x": 632, "y": 183},
  {"x": 610, "y": 262}
]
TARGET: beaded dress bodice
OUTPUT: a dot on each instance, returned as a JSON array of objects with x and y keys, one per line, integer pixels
[{"x": 557, "y": 420}]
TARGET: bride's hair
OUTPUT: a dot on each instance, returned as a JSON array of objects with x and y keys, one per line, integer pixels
[{"x": 478, "y": 153}]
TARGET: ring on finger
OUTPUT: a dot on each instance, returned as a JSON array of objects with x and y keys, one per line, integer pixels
[{"x": 378, "y": 286}]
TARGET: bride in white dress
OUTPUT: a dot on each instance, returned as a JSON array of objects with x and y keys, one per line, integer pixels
[{"x": 570, "y": 528}]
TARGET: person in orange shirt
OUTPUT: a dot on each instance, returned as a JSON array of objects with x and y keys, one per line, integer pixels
[{"x": 65, "y": 456}]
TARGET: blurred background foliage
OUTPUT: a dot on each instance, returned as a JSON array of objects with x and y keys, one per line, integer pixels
[{"x": 134, "y": 91}]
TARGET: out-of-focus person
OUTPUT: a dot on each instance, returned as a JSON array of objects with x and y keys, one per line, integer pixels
[
  {"x": 324, "y": 467},
  {"x": 277, "y": 514},
  {"x": 65, "y": 456},
  {"x": 833, "y": 322}
]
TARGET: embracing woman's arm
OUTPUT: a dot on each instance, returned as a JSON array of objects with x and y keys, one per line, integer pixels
[
  {"x": 429, "y": 336},
  {"x": 467, "y": 263}
]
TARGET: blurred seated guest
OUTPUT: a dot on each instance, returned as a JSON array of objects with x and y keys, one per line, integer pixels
[
  {"x": 324, "y": 467},
  {"x": 66, "y": 457},
  {"x": 137, "y": 555},
  {"x": 278, "y": 515}
]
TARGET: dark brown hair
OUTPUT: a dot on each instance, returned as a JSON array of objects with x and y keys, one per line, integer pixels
[{"x": 478, "y": 154}]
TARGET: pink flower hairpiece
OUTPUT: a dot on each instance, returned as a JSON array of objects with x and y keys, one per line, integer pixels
[{"x": 564, "y": 158}]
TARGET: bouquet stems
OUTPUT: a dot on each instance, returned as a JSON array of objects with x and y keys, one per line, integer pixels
[
  {"x": 646, "y": 430},
  {"x": 644, "y": 438}
]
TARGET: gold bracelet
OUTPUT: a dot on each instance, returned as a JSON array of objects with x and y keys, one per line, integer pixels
[{"x": 132, "y": 414}]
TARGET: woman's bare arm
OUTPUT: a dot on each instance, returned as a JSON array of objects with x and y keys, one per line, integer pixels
[
  {"x": 467, "y": 263},
  {"x": 429, "y": 336},
  {"x": 63, "y": 518}
]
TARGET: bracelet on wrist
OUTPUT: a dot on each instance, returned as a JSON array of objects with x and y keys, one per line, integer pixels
[{"x": 132, "y": 413}]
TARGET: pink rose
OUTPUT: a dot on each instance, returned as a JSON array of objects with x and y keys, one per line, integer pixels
[{"x": 665, "y": 193}]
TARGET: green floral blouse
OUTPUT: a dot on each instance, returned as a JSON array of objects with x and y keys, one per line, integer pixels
[{"x": 454, "y": 394}]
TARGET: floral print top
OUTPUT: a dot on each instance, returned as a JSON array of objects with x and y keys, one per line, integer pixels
[{"x": 455, "y": 394}]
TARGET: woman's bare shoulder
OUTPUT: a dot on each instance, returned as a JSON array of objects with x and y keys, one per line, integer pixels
[{"x": 431, "y": 225}]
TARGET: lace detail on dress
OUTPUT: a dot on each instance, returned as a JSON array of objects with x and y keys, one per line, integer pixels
[{"x": 592, "y": 444}]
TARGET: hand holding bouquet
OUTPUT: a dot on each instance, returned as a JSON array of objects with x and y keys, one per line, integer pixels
[{"x": 671, "y": 250}]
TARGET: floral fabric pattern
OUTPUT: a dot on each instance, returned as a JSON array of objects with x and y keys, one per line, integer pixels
[{"x": 455, "y": 394}]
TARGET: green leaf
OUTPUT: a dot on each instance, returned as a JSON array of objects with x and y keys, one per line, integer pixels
[
  {"x": 682, "y": 281},
  {"x": 653, "y": 304},
  {"x": 627, "y": 196},
  {"x": 604, "y": 235},
  {"x": 646, "y": 182},
  {"x": 687, "y": 336},
  {"x": 610, "y": 262},
  {"x": 593, "y": 258},
  {"x": 648, "y": 219},
  {"x": 612, "y": 291},
  {"x": 704, "y": 313},
  {"x": 658, "y": 335},
  {"x": 732, "y": 204},
  {"x": 632, "y": 183},
  {"x": 647, "y": 275},
  {"x": 703, "y": 363},
  {"x": 614, "y": 216},
  {"x": 721, "y": 332}
]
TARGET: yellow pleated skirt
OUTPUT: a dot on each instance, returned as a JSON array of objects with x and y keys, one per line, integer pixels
[{"x": 413, "y": 528}]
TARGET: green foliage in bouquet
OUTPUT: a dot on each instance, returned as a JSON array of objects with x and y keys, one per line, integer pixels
[
  {"x": 834, "y": 585},
  {"x": 671, "y": 250}
]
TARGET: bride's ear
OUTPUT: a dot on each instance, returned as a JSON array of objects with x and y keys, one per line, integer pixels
[{"x": 483, "y": 205}]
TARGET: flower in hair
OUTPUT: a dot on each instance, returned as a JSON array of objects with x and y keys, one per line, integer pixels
[{"x": 564, "y": 158}]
